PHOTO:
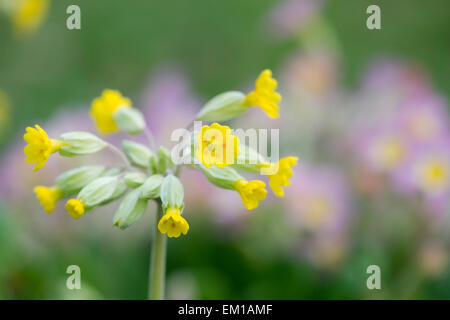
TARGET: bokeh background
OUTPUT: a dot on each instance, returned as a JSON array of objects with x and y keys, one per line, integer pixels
[{"x": 366, "y": 112}]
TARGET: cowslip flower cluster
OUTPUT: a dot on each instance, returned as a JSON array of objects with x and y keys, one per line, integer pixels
[{"x": 148, "y": 173}]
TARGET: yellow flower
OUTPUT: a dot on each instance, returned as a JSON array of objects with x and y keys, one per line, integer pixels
[
  {"x": 217, "y": 146},
  {"x": 104, "y": 107},
  {"x": 39, "y": 147},
  {"x": 251, "y": 192},
  {"x": 264, "y": 95},
  {"x": 29, "y": 15},
  {"x": 281, "y": 178},
  {"x": 173, "y": 223},
  {"x": 75, "y": 208},
  {"x": 48, "y": 197}
]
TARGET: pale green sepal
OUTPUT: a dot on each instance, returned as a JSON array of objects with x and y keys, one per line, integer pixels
[
  {"x": 221, "y": 177},
  {"x": 130, "y": 210},
  {"x": 137, "y": 153},
  {"x": 249, "y": 160},
  {"x": 80, "y": 143},
  {"x": 164, "y": 160},
  {"x": 172, "y": 193},
  {"x": 119, "y": 191},
  {"x": 98, "y": 191},
  {"x": 135, "y": 179},
  {"x": 223, "y": 107},
  {"x": 151, "y": 187},
  {"x": 112, "y": 171},
  {"x": 72, "y": 181},
  {"x": 129, "y": 120}
]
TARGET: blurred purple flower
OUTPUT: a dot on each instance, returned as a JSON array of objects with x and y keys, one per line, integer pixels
[
  {"x": 168, "y": 104},
  {"x": 290, "y": 16},
  {"x": 424, "y": 118},
  {"x": 319, "y": 200},
  {"x": 380, "y": 149},
  {"x": 428, "y": 172}
]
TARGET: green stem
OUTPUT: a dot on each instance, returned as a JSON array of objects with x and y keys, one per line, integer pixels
[{"x": 158, "y": 260}]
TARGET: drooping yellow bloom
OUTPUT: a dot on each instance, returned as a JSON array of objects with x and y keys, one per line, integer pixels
[
  {"x": 29, "y": 14},
  {"x": 39, "y": 147},
  {"x": 217, "y": 146},
  {"x": 48, "y": 197},
  {"x": 251, "y": 192},
  {"x": 264, "y": 96},
  {"x": 434, "y": 175},
  {"x": 173, "y": 223},
  {"x": 104, "y": 107},
  {"x": 281, "y": 177},
  {"x": 75, "y": 208}
]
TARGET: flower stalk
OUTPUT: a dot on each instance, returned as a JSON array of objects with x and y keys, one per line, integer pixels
[{"x": 158, "y": 260}]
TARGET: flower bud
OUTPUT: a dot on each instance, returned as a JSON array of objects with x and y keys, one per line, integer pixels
[
  {"x": 172, "y": 193},
  {"x": 130, "y": 210},
  {"x": 98, "y": 191},
  {"x": 72, "y": 181},
  {"x": 222, "y": 107},
  {"x": 164, "y": 160},
  {"x": 80, "y": 143},
  {"x": 151, "y": 187},
  {"x": 137, "y": 153},
  {"x": 129, "y": 120},
  {"x": 135, "y": 179},
  {"x": 221, "y": 177}
]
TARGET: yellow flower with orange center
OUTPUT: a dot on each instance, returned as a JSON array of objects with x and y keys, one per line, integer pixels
[
  {"x": 173, "y": 223},
  {"x": 217, "y": 146}
]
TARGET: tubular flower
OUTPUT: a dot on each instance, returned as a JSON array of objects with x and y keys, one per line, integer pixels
[
  {"x": 217, "y": 146},
  {"x": 39, "y": 147},
  {"x": 251, "y": 192},
  {"x": 75, "y": 208},
  {"x": 104, "y": 107},
  {"x": 173, "y": 223},
  {"x": 264, "y": 95},
  {"x": 48, "y": 197},
  {"x": 29, "y": 15},
  {"x": 281, "y": 178}
]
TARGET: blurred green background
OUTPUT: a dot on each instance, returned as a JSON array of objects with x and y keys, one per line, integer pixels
[{"x": 219, "y": 45}]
